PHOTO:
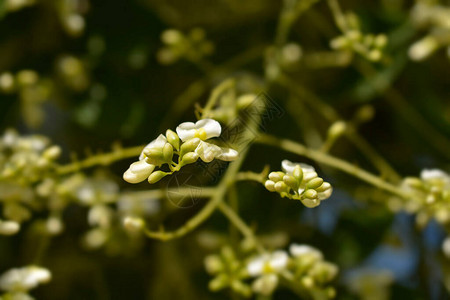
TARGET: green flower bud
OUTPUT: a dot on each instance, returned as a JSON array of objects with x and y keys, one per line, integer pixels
[
  {"x": 167, "y": 152},
  {"x": 189, "y": 158},
  {"x": 281, "y": 187},
  {"x": 218, "y": 282},
  {"x": 276, "y": 176},
  {"x": 310, "y": 194},
  {"x": 314, "y": 183},
  {"x": 290, "y": 181},
  {"x": 298, "y": 173},
  {"x": 270, "y": 185},
  {"x": 156, "y": 176},
  {"x": 173, "y": 139},
  {"x": 189, "y": 146}
]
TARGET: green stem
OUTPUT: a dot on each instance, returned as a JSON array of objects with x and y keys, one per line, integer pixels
[
  {"x": 100, "y": 159},
  {"x": 240, "y": 224}
]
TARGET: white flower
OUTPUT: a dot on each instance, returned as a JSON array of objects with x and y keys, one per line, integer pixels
[
  {"x": 202, "y": 129},
  {"x": 24, "y": 279},
  {"x": 268, "y": 263},
  {"x": 207, "y": 152},
  {"x": 138, "y": 171},
  {"x": 299, "y": 250}
]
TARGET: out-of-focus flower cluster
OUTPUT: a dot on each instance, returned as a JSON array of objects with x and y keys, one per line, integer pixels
[
  {"x": 32, "y": 90},
  {"x": 430, "y": 197},
  {"x": 304, "y": 268},
  {"x": 434, "y": 17},
  {"x": 18, "y": 282},
  {"x": 300, "y": 182},
  {"x": 193, "y": 146},
  {"x": 369, "y": 46},
  {"x": 192, "y": 46}
]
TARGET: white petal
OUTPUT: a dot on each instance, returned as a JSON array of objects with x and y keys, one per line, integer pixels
[
  {"x": 138, "y": 171},
  {"x": 256, "y": 266},
  {"x": 228, "y": 154},
  {"x": 207, "y": 151},
  {"x": 297, "y": 250},
  {"x": 279, "y": 260},
  {"x": 212, "y": 127},
  {"x": 186, "y": 131},
  {"x": 288, "y": 167},
  {"x": 433, "y": 174}
]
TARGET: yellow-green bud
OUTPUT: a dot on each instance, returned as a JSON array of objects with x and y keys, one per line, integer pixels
[
  {"x": 270, "y": 185},
  {"x": 156, "y": 176},
  {"x": 298, "y": 173},
  {"x": 189, "y": 146},
  {"x": 314, "y": 183},
  {"x": 173, "y": 139},
  {"x": 189, "y": 158},
  {"x": 52, "y": 153},
  {"x": 276, "y": 176},
  {"x": 280, "y": 187},
  {"x": 336, "y": 129},
  {"x": 167, "y": 152},
  {"x": 290, "y": 181},
  {"x": 310, "y": 194}
]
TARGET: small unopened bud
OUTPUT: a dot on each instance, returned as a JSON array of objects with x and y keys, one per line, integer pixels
[
  {"x": 314, "y": 183},
  {"x": 173, "y": 139},
  {"x": 7, "y": 82},
  {"x": 423, "y": 48},
  {"x": 290, "y": 181},
  {"x": 280, "y": 187},
  {"x": 133, "y": 224},
  {"x": 270, "y": 185},
  {"x": 276, "y": 176},
  {"x": 337, "y": 129},
  {"x": 298, "y": 173},
  {"x": 167, "y": 152},
  {"x": 245, "y": 101},
  {"x": 310, "y": 194},
  {"x": 189, "y": 158},
  {"x": 189, "y": 146},
  {"x": 156, "y": 176},
  {"x": 52, "y": 153}
]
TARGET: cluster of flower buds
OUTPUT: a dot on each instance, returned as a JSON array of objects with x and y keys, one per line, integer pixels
[
  {"x": 430, "y": 196},
  {"x": 193, "y": 145},
  {"x": 261, "y": 274},
  {"x": 435, "y": 17},
  {"x": 368, "y": 45},
  {"x": 229, "y": 271},
  {"x": 25, "y": 159},
  {"x": 300, "y": 182},
  {"x": 192, "y": 46},
  {"x": 19, "y": 281}
]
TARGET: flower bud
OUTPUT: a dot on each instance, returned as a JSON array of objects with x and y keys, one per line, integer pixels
[
  {"x": 298, "y": 173},
  {"x": 280, "y": 187},
  {"x": 290, "y": 181},
  {"x": 276, "y": 176},
  {"x": 9, "y": 227},
  {"x": 52, "y": 152},
  {"x": 173, "y": 139},
  {"x": 167, "y": 152},
  {"x": 133, "y": 224},
  {"x": 156, "y": 176},
  {"x": 189, "y": 158},
  {"x": 189, "y": 146},
  {"x": 310, "y": 194},
  {"x": 270, "y": 185},
  {"x": 314, "y": 183}
]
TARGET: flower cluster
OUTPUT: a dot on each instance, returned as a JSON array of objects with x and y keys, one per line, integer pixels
[
  {"x": 368, "y": 45},
  {"x": 304, "y": 267},
  {"x": 25, "y": 159},
  {"x": 300, "y": 182},
  {"x": 435, "y": 17},
  {"x": 192, "y": 46},
  {"x": 19, "y": 281},
  {"x": 194, "y": 145},
  {"x": 32, "y": 90},
  {"x": 430, "y": 196}
]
